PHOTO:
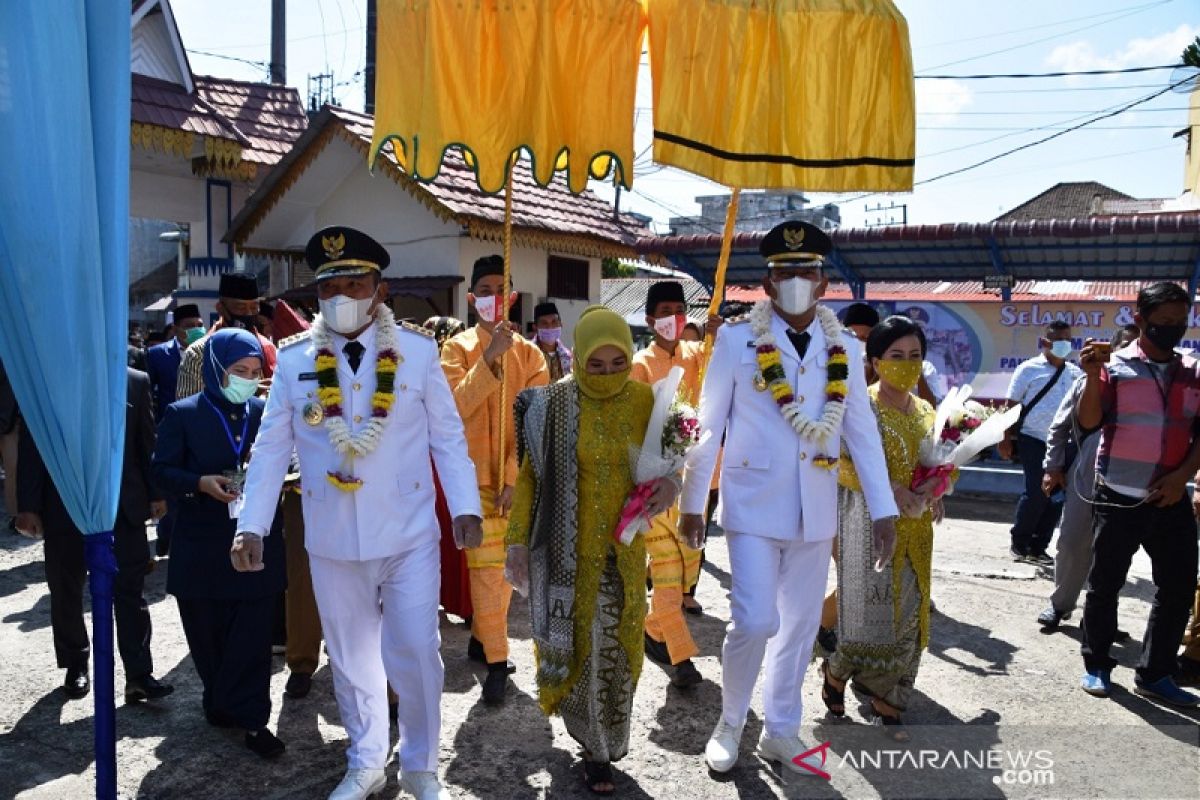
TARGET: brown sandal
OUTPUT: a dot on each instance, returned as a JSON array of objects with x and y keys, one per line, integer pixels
[{"x": 833, "y": 697}]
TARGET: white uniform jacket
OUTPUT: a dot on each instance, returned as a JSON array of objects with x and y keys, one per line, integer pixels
[
  {"x": 769, "y": 484},
  {"x": 393, "y": 510}
]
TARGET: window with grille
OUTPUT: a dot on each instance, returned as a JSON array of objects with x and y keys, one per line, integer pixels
[{"x": 567, "y": 278}]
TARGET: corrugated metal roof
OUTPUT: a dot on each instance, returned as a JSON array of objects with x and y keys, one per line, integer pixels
[
  {"x": 1163, "y": 246},
  {"x": 627, "y": 297},
  {"x": 973, "y": 291}
]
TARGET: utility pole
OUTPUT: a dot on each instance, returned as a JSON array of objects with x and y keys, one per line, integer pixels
[
  {"x": 278, "y": 42},
  {"x": 323, "y": 93},
  {"x": 891, "y": 214},
  {"x": 369, "y": 71}
]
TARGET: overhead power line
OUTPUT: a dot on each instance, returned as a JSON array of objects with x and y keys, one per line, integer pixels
[
  {"x": 1053, "y": 136},
  {"x": 1064, "y": 74}
]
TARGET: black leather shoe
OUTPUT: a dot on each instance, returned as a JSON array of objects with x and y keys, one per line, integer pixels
[
  {"x": 475, "y": 653},
  {"x": 298, "y": 685},
  {"x": 139, "y": 690},
  {"x": 264, "y": 744},
  {"x": 77, "y": 684},
  {"x": 686, "y": 675},
  {"x": 495, "y": 685},
  {"x": 657, "y": 651}
]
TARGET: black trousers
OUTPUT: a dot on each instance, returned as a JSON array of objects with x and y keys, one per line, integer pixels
[
  {"x": 66, "y": 577},
  {"x": 1037, "y": 515},
  {"x": 1168, "y": 536},
  {"x": 230, "y": 641}
]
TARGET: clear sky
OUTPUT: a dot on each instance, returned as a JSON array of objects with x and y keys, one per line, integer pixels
[{"x": 959, "y": 122}]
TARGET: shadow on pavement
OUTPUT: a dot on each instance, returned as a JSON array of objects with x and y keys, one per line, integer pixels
[{"x": 948, "y": 634}]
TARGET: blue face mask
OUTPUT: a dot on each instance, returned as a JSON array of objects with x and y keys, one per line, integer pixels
[
  {"x": 239, "y": 389},
  {"x": 1061, "y": 349}
]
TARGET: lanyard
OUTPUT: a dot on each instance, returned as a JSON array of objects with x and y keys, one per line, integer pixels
[{"x": 235, "y": 444}]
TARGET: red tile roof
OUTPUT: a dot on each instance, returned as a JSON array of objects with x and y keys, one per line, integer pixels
[
  {"x": 270, "y": 117},
  {"x": 548, "y": 215},
  {"x": 168, "y": 105},
  {"x": 264, "y": 119},
  {"x": 1064, "y": 201}
]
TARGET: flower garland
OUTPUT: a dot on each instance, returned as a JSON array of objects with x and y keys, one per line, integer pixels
[
  {"x": 329, "y": 394},
  {"x": 770, "y": 365}
]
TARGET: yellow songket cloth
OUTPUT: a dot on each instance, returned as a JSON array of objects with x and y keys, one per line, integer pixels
[
  {"x": 556, "y": 77},
  {"x": 769, "y": 94}
]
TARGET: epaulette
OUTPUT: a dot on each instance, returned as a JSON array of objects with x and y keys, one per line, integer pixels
[
  {"x": 408, "y": 326},
  {"x": 295, "y": 338},
  {"x": 738, "y": 320}
]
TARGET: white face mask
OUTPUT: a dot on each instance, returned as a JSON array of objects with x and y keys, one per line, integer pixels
[
  {"x": 345, "y": 314},
  {"x": 1061, "y": 349},
  {"x": 795, "y": 295},
  {"x": 486, "y": 308},
  {"x": 669, "y": 328}
]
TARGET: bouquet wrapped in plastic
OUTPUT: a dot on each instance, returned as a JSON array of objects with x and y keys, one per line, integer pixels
[
  {"x": 962, "y": 429},
  {"x": 671, "y": 435}
]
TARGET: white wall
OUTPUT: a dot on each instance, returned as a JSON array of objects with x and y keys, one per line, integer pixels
[
  {"x": 418, "y": 241},
  {"x": 529, "y": 276}
]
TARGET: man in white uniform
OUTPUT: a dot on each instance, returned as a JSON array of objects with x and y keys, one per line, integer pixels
[
  {"x": 365, "y": 403},
  {"x": 786, "y": 386}
]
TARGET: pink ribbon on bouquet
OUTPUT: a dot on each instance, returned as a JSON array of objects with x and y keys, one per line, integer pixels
[
  {"x": 635, "y": 509},
  {"x": 939, "y": 473}
]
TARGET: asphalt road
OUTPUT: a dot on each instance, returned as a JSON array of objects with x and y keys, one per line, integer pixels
[{"x": 998, "y": 713}]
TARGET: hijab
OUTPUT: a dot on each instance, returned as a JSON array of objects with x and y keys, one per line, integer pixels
[
  {"x": 598, "y": 327},
  {"x": 223, "y": 349}
]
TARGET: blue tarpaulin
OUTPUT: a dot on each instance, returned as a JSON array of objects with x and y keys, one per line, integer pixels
[{"x": 64, "y": 273}]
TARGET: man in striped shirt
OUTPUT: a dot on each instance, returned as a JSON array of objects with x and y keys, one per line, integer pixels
[{"x": 1146, "y": 400}]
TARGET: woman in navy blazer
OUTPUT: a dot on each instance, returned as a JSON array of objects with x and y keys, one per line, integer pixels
[{"x": 203, "y": 442}]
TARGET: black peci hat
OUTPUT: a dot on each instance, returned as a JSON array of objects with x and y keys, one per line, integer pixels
[
  {"x": 795, "y": 241},
  {"x": 664, "y": 292},
  {"x": 187, "y": 311},
  {"x": 544, "y": 310},
  {"x": 338, "y": 251},
  {"x": 238, "y": 286}
]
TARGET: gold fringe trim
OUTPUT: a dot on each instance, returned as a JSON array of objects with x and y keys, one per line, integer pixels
[
  {"x": 574, "y": 244},
  {"x": 164, "y": 140}
]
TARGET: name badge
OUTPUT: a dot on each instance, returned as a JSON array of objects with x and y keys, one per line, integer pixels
[{"x": 307, "y": 376}]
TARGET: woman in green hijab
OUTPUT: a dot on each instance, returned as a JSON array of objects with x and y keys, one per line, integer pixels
[{"x": 587, "y": 592}]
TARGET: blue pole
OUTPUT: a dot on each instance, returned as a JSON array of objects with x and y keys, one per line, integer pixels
[{"x": 102, "y": 569}]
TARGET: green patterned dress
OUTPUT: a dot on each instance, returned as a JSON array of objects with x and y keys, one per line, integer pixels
[{"x": 607, "y": 611}]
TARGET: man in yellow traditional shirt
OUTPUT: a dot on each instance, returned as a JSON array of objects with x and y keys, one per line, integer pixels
[
  {"x": 475, "y": 362},
  {"x": 674, "y": 566}
]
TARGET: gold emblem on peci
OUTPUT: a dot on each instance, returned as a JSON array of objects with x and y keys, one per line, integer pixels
[
  {"x": 793, "y": 238},
  {"x": 334, "y": 246}
]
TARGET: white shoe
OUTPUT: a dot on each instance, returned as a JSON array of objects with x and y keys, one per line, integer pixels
[
  {"x": 721, "y": 752},
  {"x": 359, "y": 784},
  {"x": 785, "y": 749},
  {"x": 423, "y": 785}
]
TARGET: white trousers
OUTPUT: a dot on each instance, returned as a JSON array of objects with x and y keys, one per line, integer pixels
[
  {"x": 778, "y": 588},
  {"x": 380, "y": 620}
]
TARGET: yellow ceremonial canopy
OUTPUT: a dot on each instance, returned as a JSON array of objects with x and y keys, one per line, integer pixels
[
  {"x": 554, "y": 77},
  {"x": 809, "y": 94}
]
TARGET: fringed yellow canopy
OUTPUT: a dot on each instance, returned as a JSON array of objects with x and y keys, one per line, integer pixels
[
  {"x": 555, "y": 77},
  {"x": 811, "y": 94}
]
